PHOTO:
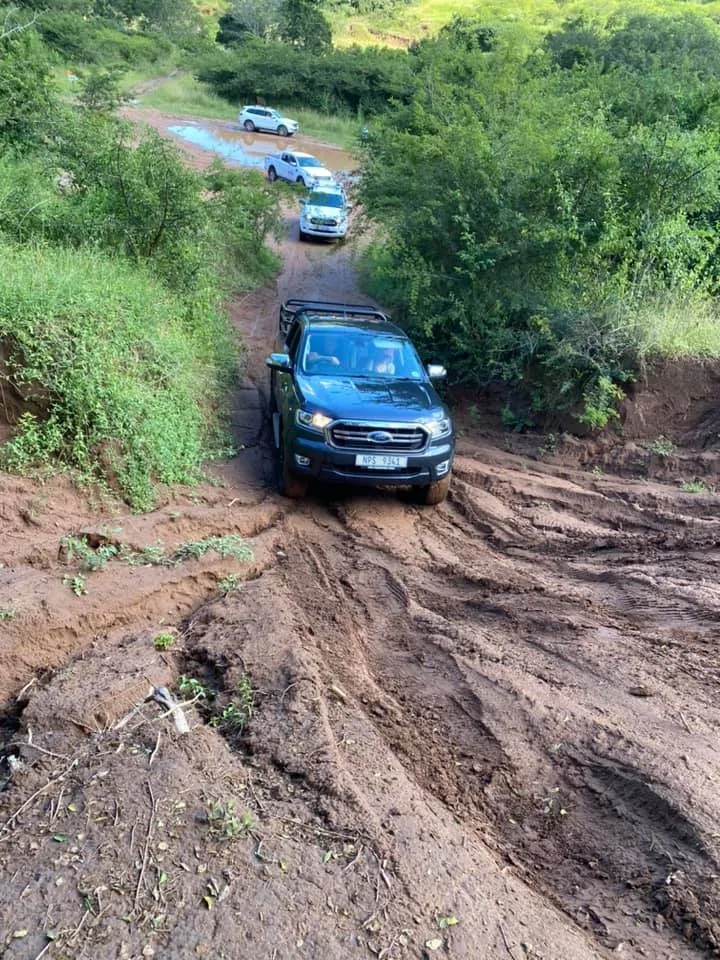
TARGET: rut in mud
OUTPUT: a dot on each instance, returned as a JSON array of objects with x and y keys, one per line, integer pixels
[{"x": 483, "y": 730}]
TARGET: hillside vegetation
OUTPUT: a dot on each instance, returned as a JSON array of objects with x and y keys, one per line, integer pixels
[
  {"x": 115, "y": 352},
  {"x": 548, "y": 203}
]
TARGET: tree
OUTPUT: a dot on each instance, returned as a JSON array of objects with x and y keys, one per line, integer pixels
[
  {"x": 259, "y": 18},
  {"x": 303, "y": 24}
]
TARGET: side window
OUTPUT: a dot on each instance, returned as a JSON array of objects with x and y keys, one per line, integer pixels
[
  {"x": 292, "y": 160},
  {"x": 284, "y": 157},
  {"x": 293, "y": 339}
]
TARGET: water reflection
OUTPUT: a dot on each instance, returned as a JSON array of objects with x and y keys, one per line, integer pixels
[
  {"x": 250, "y": 149},
  {"x": 228, "y": 150}
]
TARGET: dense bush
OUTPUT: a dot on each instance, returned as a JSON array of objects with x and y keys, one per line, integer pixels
[
  {"x": 352, "y": 78},
  {"x": 531, "y": 212}
]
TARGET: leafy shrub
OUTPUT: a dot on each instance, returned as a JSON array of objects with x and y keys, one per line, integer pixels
[
  {"x": 110, "y": 357},
  {"x": 551, "y": 228},
  {"x": 352, "y": 78}
]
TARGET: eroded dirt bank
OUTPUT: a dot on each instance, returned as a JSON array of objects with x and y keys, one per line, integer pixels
[{"x": 486, "y": 730}]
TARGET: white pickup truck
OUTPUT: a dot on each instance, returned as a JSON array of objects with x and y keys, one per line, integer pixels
[{"x": 297, "y": 167}]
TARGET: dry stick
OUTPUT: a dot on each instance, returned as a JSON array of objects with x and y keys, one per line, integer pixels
[
  {"x": 505, "y": 941},
  {"x": 37, "y": 793},
  {"x": 157, "y": 745},
  {"x": 44, "y": 950},
  {"x": 685, "y": 723},
  {"x": 25, "y": 688},
  {"x": 147, "y": 845}
]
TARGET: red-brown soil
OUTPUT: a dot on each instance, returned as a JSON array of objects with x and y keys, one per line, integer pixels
[{"x": 485, "y": 731}]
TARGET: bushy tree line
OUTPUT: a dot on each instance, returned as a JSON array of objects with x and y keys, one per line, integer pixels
[
  {"x": 113, "y": 342},
  {"x": 542, "y": 214}
]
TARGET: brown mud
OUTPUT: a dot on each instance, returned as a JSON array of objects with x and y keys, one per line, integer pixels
[{"x": 485, "y": 731}]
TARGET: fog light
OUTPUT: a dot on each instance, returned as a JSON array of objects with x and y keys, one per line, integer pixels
[
  {"x": 302, "y": 461},
  {"x": 442, "y": 468}
]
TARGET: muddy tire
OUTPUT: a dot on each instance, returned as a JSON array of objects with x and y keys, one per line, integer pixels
[
  {"x": 302, "y": 235},
  {"x": 289, "y": 484},
  {"x": 433, "y": 494},
  {"x": 249, "y": 126},
  {"x": 272, "y": 174},
  {"x": 282, "y": 130}
]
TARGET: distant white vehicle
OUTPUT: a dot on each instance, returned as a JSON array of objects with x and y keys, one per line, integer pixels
[
  {"x": 324, "y": 214},
  {"x": 297, "y": 167},
  {"x": 263, "y": 118}
]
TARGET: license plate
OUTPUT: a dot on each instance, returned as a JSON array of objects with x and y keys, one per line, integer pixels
[{"x": 378, "y": 461}]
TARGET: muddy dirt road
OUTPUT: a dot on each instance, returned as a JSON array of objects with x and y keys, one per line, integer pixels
[{"x": 485, "y": 731}]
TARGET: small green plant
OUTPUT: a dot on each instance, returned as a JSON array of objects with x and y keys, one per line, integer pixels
[
  {"x": 600, "y": 403},
  {"x": 693, "y": 486},
  {"x": 229, "y": 584},
  {"x": 222, "y": 820},
  {"x": 550, "y": 445},
  {"x": 6, "y": 613},
  {"x": 229, "y": 545},
  {"x": 163, "y": 641},
  {"x": 76, "y": 584},
  {"x": 151, "y": 555},
  {"x": 661, "y": 447},
  {"x": 240, "y": 709},
  {"x": 597, "y": 471},
  {"x": 90, "y": 560},
  {"x": 514, "y": 421},
  {"x": 473, "y": 412},
  {"x": 191, "y": 687}
]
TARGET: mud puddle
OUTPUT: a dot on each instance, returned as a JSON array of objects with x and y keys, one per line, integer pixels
[{"x": 250, "y": 150}]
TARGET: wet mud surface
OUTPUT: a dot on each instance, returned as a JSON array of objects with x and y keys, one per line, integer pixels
[{"x": 484, "y": 730}]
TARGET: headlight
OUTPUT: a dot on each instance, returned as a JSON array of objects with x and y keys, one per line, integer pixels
[
  {"x": 313, "y": 421},
  {"x": 439, "y": 428}
]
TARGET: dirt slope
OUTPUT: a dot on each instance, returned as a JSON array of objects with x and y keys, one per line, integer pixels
[{"x": 486, "y": 730}]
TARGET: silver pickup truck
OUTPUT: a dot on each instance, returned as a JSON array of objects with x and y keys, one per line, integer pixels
[{"x": 297, "y": 167}]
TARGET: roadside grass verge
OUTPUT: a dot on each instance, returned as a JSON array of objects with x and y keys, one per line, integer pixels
[
  {"x": 183, "y": 94},
  {"x": 112, "y": 370}
]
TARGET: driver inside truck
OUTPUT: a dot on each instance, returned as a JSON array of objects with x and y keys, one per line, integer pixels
[{"x": 324, "y": 348}]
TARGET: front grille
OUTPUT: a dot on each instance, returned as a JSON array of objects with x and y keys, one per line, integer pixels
[
  {"x": 319, "y": 221},
  {"x": 358, "y": 437}
]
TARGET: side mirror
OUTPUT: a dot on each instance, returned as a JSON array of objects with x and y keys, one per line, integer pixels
[
  {"x": 302, "y": 201},
  {"x": 278, "y": 361},
  {"x": 436, "y": 371},
  {"x": 348, "y": 206}
]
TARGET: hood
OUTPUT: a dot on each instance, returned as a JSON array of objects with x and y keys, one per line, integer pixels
[
  {"x": 324, "y": 213},
  {"x": 358, "y": 398},
  {"x": 319, "y": 172}
]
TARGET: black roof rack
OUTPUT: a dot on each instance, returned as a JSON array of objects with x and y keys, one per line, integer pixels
[{"x": 293, "y": 307}]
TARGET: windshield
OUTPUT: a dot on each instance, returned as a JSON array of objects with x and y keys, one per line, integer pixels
[
  {"x": 354, "y": 353},
  {"x": 308, "y": 162},
  {"x": 326, "y": 199},
  {"x": 274, "y": 113}
]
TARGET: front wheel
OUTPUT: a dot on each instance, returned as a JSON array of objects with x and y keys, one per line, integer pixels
[
  {"x": 282, "y": 130},
  {"x": 289, "y": 484},
  {"x": 272, "y": 174},
  {"x": 433, "y": 493},
  {"x": 249, "y": 126}
]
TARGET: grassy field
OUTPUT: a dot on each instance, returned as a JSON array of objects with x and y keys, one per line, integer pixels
[
  {"x": 426, "y": 17},
  {"x": 182, "y": 94}
]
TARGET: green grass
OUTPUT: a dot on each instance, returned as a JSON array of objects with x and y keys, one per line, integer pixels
[
  {"x": 426, "y": 17},
  {"x": 678, "y": 328},
  {"x": 123, "y": 381},
  {"x": 183, "y": 94}
]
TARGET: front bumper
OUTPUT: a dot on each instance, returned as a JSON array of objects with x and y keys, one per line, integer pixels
[
  {"x": 333, "y": 233},
  {"x": 331, "y": 465}
]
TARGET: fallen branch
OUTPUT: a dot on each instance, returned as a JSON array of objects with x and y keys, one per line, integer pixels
[
  {"x": 5, "y": 827},
  {"x": 146, "y": 851}
]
